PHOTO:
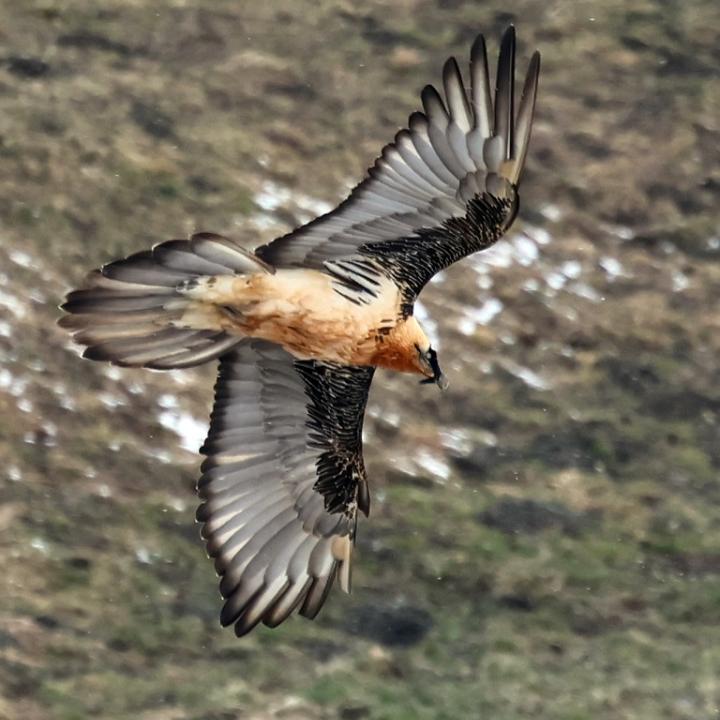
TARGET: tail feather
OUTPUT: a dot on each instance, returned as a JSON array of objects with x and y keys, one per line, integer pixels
[
  {"x": 178, "y": 255},
  {"x": 143, "y": 269},
  {"x": 222, "y": 251},
  {"x": 133, "y": 312}
]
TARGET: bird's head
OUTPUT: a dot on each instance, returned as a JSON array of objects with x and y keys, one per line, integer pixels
[
  {"x": 428, "y": 365},
  {"x": 407, "y": 348}
]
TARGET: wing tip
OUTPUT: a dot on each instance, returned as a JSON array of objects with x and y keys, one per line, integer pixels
[
  {"x": 450, "y": 68},
  {"x": 478, "y": 50},
  {"x": 524, "y": 120},
  {"x": 317, "y": 594},
  {"x": 534, "y": 66}
]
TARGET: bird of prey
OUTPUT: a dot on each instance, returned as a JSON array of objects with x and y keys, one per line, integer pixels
[{"x": 299, "y": 326}]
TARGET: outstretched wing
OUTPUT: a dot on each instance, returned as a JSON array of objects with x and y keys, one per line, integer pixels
[
  {"x": 282, "y": 482},
  {"x": 446, "y": 186}
]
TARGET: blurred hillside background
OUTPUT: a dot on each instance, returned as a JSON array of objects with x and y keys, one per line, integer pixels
[{"x": 545, "y": 536}]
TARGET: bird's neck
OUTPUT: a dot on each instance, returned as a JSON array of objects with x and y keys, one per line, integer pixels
[{"x": 397, "y": 349}]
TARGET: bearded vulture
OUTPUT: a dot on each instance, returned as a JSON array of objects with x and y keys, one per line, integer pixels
[{"x": 299, "y": 326}]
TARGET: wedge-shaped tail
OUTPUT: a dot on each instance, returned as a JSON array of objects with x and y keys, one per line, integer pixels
[{"x": 136, "y": 312}]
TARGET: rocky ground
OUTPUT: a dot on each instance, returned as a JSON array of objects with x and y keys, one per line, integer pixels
[{"x": 545, "y": 537}]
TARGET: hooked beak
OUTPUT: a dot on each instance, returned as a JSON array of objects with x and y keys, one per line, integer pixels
[{"x": 437, "y": 377}]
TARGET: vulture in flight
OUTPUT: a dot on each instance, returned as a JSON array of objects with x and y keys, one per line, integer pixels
[{"x": 299, "y": 326}]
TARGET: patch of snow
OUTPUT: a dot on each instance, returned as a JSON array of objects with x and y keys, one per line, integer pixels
[
  {"x": 473, "y": 317},
  {"x": 555, "y": 280},
  {"x": 14, "y": 473},
  {"x": 111, "y": 401},
  {"x": 67, "y": 402},
  {"x": 586, "y": 291},
  {"x": 521, "y": 249},
  {"x": 20, "y": 258},
  {"x": 485, "y": 281},
  {"x": 142, "y": 555},
  {"x": 181, "y": 377},
  {"x": 526, "y": 251},
  {"x": 273, "y": 196},
  {"x": 16, "y": 386},
  {"x": 551, "y": 212},
  {"x": 487, "y": 311},
  {"x": 466, "y": 326},
  {"x": 13, "y": 304},
  {"x": 177, "y": 504},
  {"x": 162, "y": 456},
  {"x": 457, "y": 440},
  {"x": 167, "y": 401},
  {"x": 571, "y": 269},
  {"x": 112, "y": 372},
  {"x": 540, "y": 235},
  {"x": 261, "y": 222},
  {"x": 487, "y": 438},
  {"x": 612, "y": 267},
  {"x": 190, "y": 430},
  {"x": 713, "y": 243},
  {"x": 529, "y": 377},
  {"x": 485, "y": 367},
  {"x": 37, "y": 365},
  {"x": 5, "y": 329},
  {"x": 499, "y": 255},
  {"x": 391, "y": 418},
  {"x": 428, "y": 324},
  {"x": 433, "y": 464},
  {"x": 40, "y": 545},
  {"x": 313, "y": 205},
  {"x": 25, "y": 405},
  {"x": 680, "y": 282},
  {"x": 623, "y": 232}
]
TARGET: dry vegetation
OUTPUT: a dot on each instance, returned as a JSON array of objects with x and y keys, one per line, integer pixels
[{"x": 545, "y": 538}]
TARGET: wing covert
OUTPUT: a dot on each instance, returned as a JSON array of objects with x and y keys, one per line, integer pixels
[
  {"x": 282, "y": 481},
  {"x": 459, "y": 159}
]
